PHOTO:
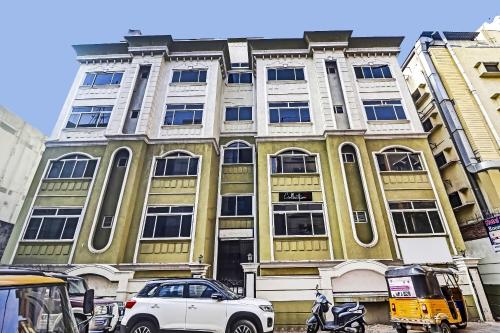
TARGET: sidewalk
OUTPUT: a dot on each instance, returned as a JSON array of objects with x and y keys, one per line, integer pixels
[{"x": 471, "y": 328}]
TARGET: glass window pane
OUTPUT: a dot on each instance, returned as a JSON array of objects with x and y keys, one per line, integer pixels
[
  {"x": 203, "y": 76},
  {"x": 245, "y": 113},
  {"x": 89, "y": 79},
  {"x": 274, "y": 165},
  {"x": 318, "y": 224},
  {"x": 381, "y": 162},
  {"x": 67, "y": 169},
  {"x": 73, "y": 121},
  {"x": 193, "y": 166},
  {"x": 367, "y": 72},
  {"x": 103, "y": 78},
  {"x": 167, "y": 226},
  {"x": 149, "y": 227},
  {"x": 55, "y": 169},
  {"x": 44, "y": 211},
  {"x": 387, "y": 72},
  {"x": 400, "y": 112},
  {"x": 182, "y": 209},
  {"x": 437, "y": 225},
  {"x": 359, "y": 72},
  {"x": 285, "y": 74},
  {"x": 198, "y": 117},
  {"x": 399, "y": 162},
  {"x": 177, "y": 166},
  {"x": 292, "y": 164},
  {"x": 415, "y": 161},
  {"x": 89, "y": 171},
  {"x": 285, "y": 207},
  {"x": 310, "y": 207},
  {"x": 299, "y": 73},
  {"x": 399, "y": 222},
  {"x": 377, "y": 73},
  {"x": 160, "y": 167},
  {"x": 304, "y": 115},
  {"x": 88, "y": 120},
  {"x": 246, "y": 78},
  {"x": 244, "y": 205},
  {"x": 370, "y": 113},
  {"x": 200, "y": 291},
  {"x": 103, "y": 120},
  {"x": 169, "y": 118},
  {"x": 271, "y": 74},
  {"x": 385, "y": 112},
  {"x": 410, "y": 222},
  {"x": 69, "y": 229},
  {"x": 189, "y": 76},
  {"x": 228, "y": 206},
  {"x": 289, "y": 116},
  {"x": 232, "y": 114},
  {"x": 117, "y": 78},
  {"x": 171, "y": 291},
  {"x": 32, "y": 229},
  {"x": 176, "y": 76},
  {"x": 400, "y": 205},
  {"x": 279, "y": 224},
  {"x": 299, "y": 224},
  {"x": 51, "y": 228},
  {"x": 420, "y": 222},
  {"x": 233, "y": 78},
  {"x": 231, "y": 156},
  {"x": 424, "y": 204},
  {"x": 79, "y": 169},
  {"x": 69, "y": 211},
  {"x": 310, "y": 163},
  {"x": 274, "y": 115},
  {"x": 186, "y": 226},
  {"x": 183, "y": 118},
  {"x": 245, "y": 155}
]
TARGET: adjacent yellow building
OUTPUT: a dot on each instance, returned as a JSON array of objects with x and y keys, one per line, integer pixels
[{"x": 454, "y": 78}]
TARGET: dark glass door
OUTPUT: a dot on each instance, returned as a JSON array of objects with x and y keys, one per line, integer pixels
[{"x": 230, "y": 256}]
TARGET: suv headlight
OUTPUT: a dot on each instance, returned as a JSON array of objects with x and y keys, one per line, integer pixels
[
  {"x": 266, "y": 308},
  {"x": 100, "y": 310}
]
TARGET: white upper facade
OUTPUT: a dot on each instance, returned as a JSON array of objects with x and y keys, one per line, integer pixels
[{"x": 163, "y": 89}]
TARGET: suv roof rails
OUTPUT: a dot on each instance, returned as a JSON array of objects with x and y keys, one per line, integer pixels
[{"x": 20, "y": 271}]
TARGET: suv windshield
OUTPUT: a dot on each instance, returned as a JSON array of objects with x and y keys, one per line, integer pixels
[
  {"x": 76, "y": 287},
  {"x": 231, "y": 294},
  {"x": 41, "y": 309}
]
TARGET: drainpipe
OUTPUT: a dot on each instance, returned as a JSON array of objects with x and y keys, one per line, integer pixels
[{"x": 452, "y": 122}]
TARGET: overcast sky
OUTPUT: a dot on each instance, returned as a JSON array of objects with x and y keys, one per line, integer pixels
[{"x": 37, "y": 63}]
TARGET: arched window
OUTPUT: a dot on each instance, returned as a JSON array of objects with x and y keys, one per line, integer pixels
[
  {"x": 293, "y": 161},
  {"x": 398, "y": 159},
  {"x": 238, "y": 152},
  {"x": 72, "y": 166},
  {"x": 176, "y": 164}
]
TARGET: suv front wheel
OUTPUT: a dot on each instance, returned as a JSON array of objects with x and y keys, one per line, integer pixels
[
  {"x": 143, "y": 327},
  {"x": 244, "y": 326}
]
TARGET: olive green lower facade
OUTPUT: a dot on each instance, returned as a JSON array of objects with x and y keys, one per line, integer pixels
[{"x": 329, "y": 222}]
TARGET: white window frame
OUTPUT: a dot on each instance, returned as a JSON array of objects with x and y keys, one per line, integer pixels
[
  {"x": 297, "y": 211},
  {"x": 345, "y": 158},
  {"x": 289, "y": 107},
  {"x": 400, "y": 152},
  {"x": 189, "y": 70},
  {"x": 192, "y": 214},
  {"x": 52, "y": 216},
  {"x": 294, "y": 153},
  {"x": 371, "y": 71},
  {"x": 241, "y": 145},
  {"x": 360, "y": 213},
  {"x": 236, "y": 204},
  {"x": 101, "y": 114},
  {"x": 184, "y": 109},
  {"x": 384, "y": 102},
  {"x": 286, "y": 68},
  {"x": 239, "y": 77},
  {"x": 426, "y": 210},
  {"x": 64, "y": 160},
  {"x": 182, "y": 156},
  {"x": 107, "y": 222},
  {"x": 93, "y": 85},
  {"x": 238, "y": 107}
]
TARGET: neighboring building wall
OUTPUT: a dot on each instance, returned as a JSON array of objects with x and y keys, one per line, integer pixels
[
  {"x": 21, "y": 149},
  {"x": 460, "y": 63}
]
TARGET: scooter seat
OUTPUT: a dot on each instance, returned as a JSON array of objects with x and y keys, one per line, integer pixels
[{"x": 337, "y": 309}]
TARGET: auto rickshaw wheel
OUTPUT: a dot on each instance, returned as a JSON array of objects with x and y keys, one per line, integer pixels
[
  {"x": 445, "y": 328},
  {"x": 462, "y": 326},
  {"x": 401, "y": 330}
]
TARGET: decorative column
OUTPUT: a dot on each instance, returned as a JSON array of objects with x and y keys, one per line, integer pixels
[
  {"x": 250, "y": 272},
  {"x": 469, "y": 278},
  {"x": 199, "y": 270}
]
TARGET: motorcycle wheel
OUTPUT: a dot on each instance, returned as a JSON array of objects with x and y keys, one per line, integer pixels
[
  {"x": 312, "y": 328},
  {"x": 361, "y": 328}
]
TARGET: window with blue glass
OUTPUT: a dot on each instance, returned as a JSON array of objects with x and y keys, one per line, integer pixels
[
  {"x": 238, "y": 152},
  {"x": 238, "y": 205},
  {"x": 285, "y": 74},
  {"x": 289, "y": 112},
  {"x": 191, "y": 75},
  {"x": 239, "y": 77},
  {"x": 238, "y": 113},
  {"x": 390, "y": 109},
  {"x": 183, "y": 114},
  {"x": 176, "y": 164},
  {"x": 89, "y": 116},
  {"x": 373, "y": 72},
  {"x": 102, "y": 79},
  {"x": 240, "y": 65}
]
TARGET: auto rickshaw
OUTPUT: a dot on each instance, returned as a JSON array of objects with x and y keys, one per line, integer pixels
[{"x": 425, "y": 298}]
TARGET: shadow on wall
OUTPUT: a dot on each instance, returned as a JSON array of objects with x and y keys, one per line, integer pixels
[{"x": 5, "y": 231}]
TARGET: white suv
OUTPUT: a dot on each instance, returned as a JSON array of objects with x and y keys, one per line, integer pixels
[{"x": 195, "y": 305}]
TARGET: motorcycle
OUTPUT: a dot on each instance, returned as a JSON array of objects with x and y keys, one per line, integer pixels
[{"x": 348, "y": 317}]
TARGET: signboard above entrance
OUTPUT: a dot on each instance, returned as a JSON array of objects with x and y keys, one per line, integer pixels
[{"x": 295, "y": 196}]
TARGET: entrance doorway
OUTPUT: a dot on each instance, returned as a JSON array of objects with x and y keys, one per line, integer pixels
[{"x": 230, "y": 256}]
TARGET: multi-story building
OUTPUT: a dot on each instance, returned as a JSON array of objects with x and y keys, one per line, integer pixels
[
  {"x": 273, "y": 165},
  {"x": 21, "y": 148},
  {"x": 454, "y": 78}
]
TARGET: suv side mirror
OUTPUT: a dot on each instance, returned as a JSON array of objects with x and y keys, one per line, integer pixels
[
  {"x": 216, "y": 296},
  {"x": 88, "y": 301}
]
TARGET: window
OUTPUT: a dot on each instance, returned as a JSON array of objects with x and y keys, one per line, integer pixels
[
  {"x": 72, "y": 166},
  {"x": 359, "y": 216},
  {"x": 440, "y": 159},
  {"x": 183, "y": 114},
  {"x": 491, "y": 67},
  {"x": 289, "y": 112},
  {"x": 416, "y": 95},
  {"x": 427, "y": 125},
  {"x": 240, "y": 65},
  {"x": 238, "y": 152},
  {"x": 239, "y": 77},
  {"x": 200, "y": 291},
  {"x": 176, "y": 164},
  {"x": 52, "y": 223},
  {"x": 331, "y": 67},
  {"x": 168, "y": 222},
  {"x": 122, "y": 162},
  {"x": 293, "y": 161},
  {"x": 240, "y": 205},
  {"x": 285, "y": 74},
  {"x": 348, "y": 158},
  {"x": 238, "y": 113},
  {"x": 102, "y": 79},
  {"x": 298, "y": 219},
  {"x": 170, "y": 291},
  {"x": 89, "y": 116},
  {"x": 455, "y": 199},
  {"x": 384, "y": 110},
  {"x": 338, "y": 109},
  {"x": 373, "y": 72},
  {"x": 107, "y": 222},
  {"x": 195, "y": 75},
  {"x": 416, "y": 217},
  {"x": 397, "y": 159}
]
